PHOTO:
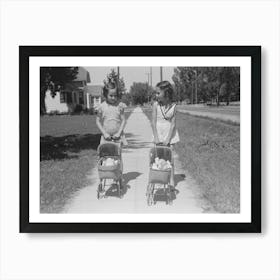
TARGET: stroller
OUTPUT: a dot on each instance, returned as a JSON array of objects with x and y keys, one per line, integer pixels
[
  {"x": 110, "y": 166},
  {"x": 159, "y": 178}
]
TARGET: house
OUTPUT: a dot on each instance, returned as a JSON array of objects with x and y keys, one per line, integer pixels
[
  {"x": 73, "y": 94},
  {"x": 94, "y": 95}
]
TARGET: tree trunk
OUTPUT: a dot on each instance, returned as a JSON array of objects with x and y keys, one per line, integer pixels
[
  {"x": 192, "y": 93},
  {"x": 42, "y": 102},
  {"x": 228, "y": 100}
]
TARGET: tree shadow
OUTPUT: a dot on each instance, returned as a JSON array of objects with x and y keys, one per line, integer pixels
[
  {"x": 134, "y": 143},
  {"x": 129, "y": 176},
  {"x": 66, "y": 147},
  {"x": 179, "y": 178}
]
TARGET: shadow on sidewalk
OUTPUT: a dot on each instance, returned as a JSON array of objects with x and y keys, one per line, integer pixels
[
  {"x": 179, "y": 178},
  {"x": 127, "y": 177},
  {"x": 134, "y": 142},
  {"x": 161, "y": 193}
]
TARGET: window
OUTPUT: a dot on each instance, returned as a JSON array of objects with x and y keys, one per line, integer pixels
[
  {"x": 63, "y": 96},
  {"x": 92, "y": 100},
  {"x": 81, "y": 98},
  {"x": 69, "y": 97},
  {"x": 79, "y": 83},
  {"x": 66, "y": 97}
]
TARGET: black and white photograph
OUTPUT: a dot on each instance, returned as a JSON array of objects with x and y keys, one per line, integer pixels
[{"x": 142, "y": 139}]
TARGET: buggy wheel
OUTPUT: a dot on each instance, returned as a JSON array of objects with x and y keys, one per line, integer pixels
[
  {"x": 99, "y": 190},
  {"x": 149, "y": 195},
  {"x": 148, "y": 190},
  {"x": 170, "y": 195},
  {"x": 120, "y": 188},
  {"x": 169, "y": 199}
]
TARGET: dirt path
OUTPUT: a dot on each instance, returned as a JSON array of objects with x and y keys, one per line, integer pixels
[{"x": 135, "y": 174}]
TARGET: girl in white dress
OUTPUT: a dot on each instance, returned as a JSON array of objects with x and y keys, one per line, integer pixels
[{"x": 164, "y": 119}]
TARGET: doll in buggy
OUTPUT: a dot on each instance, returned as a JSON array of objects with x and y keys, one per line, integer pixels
[
  {"x": 110, "y": 166},
  {"x": 159, "y": 175}
]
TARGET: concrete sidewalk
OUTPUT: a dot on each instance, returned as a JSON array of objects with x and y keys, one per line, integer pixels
[{"x": 135, "y": 174}]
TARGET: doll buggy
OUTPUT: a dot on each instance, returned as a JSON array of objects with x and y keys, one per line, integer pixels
[
  {"x": 109, "y": 167},
  {"x": 159, "y": 178}
]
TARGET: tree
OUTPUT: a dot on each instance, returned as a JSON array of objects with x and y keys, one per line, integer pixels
[
  {"x": 179, "y": 87},
  {"x": 54, "y": 79},
  {"x": 229, "y": 83},
  {"x": 127, "y": 99},
  {"x": 140, "y": 93},
  {"x": 113, "y": 77},
  {"x": 188, "y": 80},
  {"x": 206, "y": 83}
]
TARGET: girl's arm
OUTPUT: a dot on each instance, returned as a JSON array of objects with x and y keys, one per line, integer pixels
[
  {"x": 118, "y": 134},
  {"x": 120, "y": 131},
  {"x": 100, "y": 126},
  {"x": 172, "y": 128},
  {"x": 154, "y": 122}
]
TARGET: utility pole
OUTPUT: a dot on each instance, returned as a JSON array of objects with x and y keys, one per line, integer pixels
[
  {"x": 195, "y": 86},
  {"x": 151, "y": 76},
  {"x": 161, "y": 73},
  {"x": 148, "y": 74}
]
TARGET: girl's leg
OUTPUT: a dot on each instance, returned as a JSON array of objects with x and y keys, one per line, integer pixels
[
  {"x": 172, "y": 182},
  {"x": 123, "y": 140}
]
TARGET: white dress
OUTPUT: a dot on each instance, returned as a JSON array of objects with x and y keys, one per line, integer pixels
[{"x": 164, "y": 119}]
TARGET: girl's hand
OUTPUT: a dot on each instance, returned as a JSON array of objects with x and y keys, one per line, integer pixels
[
  {"x": 117, "y": 135},
  {"x": 166, "y": 143},
  {"x": 156, "y": 140},
  {"x": 106, "y": 136}
]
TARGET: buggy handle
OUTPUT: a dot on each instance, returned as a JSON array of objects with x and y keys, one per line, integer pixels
[
  {"x": 113, "y": 139},
  {"x": 161, "y": 144}
]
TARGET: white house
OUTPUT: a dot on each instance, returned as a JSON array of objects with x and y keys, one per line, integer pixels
[
  {"x": 94, "y": 95},
  {"x": 73, "y": 94}
]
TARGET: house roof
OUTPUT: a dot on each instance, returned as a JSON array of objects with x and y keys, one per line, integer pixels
[
  {"x": 83, "y": 75},
  {"x": 95, "y": 90}
]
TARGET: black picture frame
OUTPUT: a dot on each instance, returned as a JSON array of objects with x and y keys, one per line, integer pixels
[{"x": 25, "y": 52}]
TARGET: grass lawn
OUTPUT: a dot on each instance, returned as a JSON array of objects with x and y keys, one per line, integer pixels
[
  {"x": 68, "y": 147},
  {"x": 210, "y": 152},
  {"x": 68, "y": 153}
]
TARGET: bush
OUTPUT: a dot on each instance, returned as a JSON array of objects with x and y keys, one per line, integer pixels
[
  {"x": 78, "y": 109},
  {"x": 92, "y": 111},
  {"x": 54, "y": 112}
]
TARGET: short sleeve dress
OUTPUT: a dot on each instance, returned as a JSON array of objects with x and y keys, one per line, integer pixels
[
  {"x": 111, "y": 117},
  {"x": 163, "y": 124}
]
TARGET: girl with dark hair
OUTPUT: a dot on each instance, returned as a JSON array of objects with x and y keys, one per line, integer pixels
[
  {"x": 164, "y": 118},
  {"x": 110, "y": 115}
]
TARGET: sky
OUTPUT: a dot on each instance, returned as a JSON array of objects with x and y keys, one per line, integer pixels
[{"x": 130, "y": 74}]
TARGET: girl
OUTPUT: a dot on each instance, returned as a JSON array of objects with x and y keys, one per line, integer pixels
[
  {"x": 164, "y": 119},
  {"x": 110, "y": 115}
]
